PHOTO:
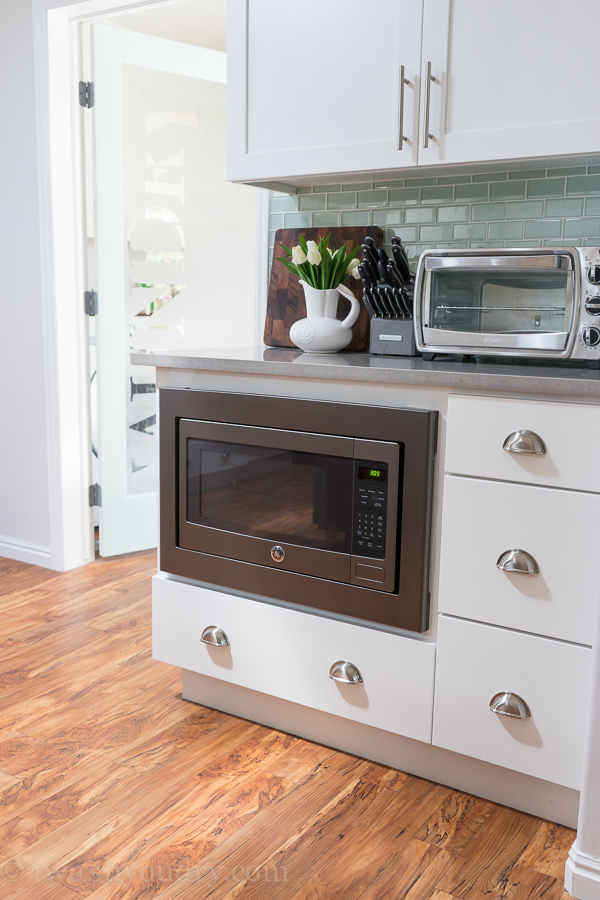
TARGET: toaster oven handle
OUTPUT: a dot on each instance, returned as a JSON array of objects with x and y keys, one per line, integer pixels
[{"x": 527, "y": 442}]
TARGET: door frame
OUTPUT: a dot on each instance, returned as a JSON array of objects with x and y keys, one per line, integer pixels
[{"x": 64, "y": 270}]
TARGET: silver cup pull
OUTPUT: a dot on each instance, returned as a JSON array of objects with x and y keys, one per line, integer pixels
[
  {"x": 346, "y": 672},
  {"x": 214, "y": 637},
  {"x": 508, "y": 704},
  {"x": 524, "y": 442},
  {"x": 518, "y": 561}
]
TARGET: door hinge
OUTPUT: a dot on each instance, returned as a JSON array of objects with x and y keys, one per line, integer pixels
[
  {"x": 90, "y": 303},
  {"x": 86, "y": 94},
  {"x": 95, "y": 495}
]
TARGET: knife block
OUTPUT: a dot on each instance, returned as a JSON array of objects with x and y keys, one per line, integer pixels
[{"x": 393, "y": 337}]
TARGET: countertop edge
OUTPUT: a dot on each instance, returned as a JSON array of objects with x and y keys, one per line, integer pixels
[{"x": 553, "y": 385}]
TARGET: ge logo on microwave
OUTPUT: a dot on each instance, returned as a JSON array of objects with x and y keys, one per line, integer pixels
[{"x": 277, "y": 553}]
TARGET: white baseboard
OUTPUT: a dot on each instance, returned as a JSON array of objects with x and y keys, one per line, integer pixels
[
  {"x": 25, "y": 551},
  {"x": 582, "y": 875},
  {"x": 532, "y": 795}
]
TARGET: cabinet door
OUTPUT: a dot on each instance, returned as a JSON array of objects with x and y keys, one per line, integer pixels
[
  {"x": 315, "y": 88},
  {"x": 512, "y": 79}
]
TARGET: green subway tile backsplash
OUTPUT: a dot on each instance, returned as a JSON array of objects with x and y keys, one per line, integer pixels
[
  {"x": 520, "y": 208},
  {"x": 355, "y": 217},
  {"x": 565, "y": 207},
  {"x": 453, "y": 214},
  {"x": 420, "y": 215},
  {"x": 546, "y": 228},
  {"x": 487, "y": 212},
  {"x": 529, "y": 209},
  {"x": 326, "y": 219},
  {"x": 507, "y": 190},
  {"x": 440, "y": 193},
  {"x": 404, "y": 197},
  {"x": 505, "y": 231},
  {"x": 341, "y": 201},
  {"x": 312, "y": 201},
  {"x": 583, "y": 184},
  {"x": 494, "y": 176},
  {"x": 464, "y": 193},
  {"x": 527, "y": 173},
  {"x": 372, "y": 198}
]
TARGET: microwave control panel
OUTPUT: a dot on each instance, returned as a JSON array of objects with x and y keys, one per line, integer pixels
[{"x": 370, "y": 509}]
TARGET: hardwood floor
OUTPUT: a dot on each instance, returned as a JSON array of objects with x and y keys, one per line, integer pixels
[{"x": 112, "y": 785}]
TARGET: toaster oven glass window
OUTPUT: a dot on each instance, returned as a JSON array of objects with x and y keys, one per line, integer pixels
[
  {"x": 499, "y": 303},
  {"x": 296, "y": 498}
]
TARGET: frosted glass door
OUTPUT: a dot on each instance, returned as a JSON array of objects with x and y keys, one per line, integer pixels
[{"x": 163, "y": 208}]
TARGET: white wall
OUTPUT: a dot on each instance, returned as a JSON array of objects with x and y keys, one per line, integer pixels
[{"x": 24, "y": 487}]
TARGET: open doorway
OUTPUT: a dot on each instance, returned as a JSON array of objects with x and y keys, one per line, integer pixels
[{"x": 170, "y": 245}]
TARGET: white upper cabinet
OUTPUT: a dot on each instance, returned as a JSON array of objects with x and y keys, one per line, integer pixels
[
  {"x": 509, "y": 79},
  {"x": 315, "y": 88}
]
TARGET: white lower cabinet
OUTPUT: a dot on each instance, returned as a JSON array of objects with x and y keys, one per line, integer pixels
[
  {"x": 476, "y": 663},
  {"x": 483, "y": 521},
  {"x": 479, "y": 428},
  {"x": 289, "y": 654}
]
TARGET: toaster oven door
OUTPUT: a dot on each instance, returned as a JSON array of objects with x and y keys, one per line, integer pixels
[{"x": 511, "y": 302}]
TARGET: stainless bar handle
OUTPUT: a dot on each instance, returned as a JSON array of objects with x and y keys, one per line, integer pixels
[
  {"x": 508, "y": 704},
  {"x": 524, "y": 442},
  {"x": 429, "y": 79},
  {"x": 518, "y": 561},
  {"x": 401, "y": 136},
  {"x": 214, "y": 637},
  {"x": 346, "y": 672}
]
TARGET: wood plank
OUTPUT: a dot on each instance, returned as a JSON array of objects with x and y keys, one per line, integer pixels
[
  {"x": 548, "y": 850},
  {"x": 486, "y": 861},
  {"x": 456, "y": 821}
]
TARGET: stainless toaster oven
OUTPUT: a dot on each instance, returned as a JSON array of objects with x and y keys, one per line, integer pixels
[{"x": 534, "y": 302}]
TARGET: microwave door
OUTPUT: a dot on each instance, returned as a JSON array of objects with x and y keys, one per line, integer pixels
[{"x": 275, "y": 498}]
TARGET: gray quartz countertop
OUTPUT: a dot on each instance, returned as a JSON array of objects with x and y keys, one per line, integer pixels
[{"x": 475, "y": 373}]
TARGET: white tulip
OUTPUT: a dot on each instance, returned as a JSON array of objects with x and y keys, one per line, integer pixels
[
  {"x": 311, "y": 245},
  {"x": 314, "y": 257},
  {"x": 330, "y": 252},
  {"x": 298, "y": 255},
  {"x": 353, "y": 268}
]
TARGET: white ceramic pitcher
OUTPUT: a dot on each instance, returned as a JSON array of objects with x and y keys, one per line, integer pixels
[{"x": 320, "y": 331}]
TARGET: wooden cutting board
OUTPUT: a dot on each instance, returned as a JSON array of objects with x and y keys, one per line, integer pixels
[{"x": 285, "y": 302}]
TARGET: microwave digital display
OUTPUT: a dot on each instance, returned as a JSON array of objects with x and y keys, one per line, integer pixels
[{"x": 372, "y": 474}]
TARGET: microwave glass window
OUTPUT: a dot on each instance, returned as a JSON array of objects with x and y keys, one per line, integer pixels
[
  {"x": 502, "y": 303},
  {"x": 280, "y": 495}
]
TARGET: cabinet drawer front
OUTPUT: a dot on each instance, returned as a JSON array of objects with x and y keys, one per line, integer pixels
[
  {"x": 478, "y": 427},
  {"x": 483, "y": 519},
  {"x": 476, "y": 662},
  {"x": 289, "y": 654}
]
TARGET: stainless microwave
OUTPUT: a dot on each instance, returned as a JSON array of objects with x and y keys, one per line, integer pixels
[
  {"x": 535, "y": 302},
  {"x": 323, "y": 505}
]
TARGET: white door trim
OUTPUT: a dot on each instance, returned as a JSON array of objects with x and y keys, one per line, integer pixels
[{"x": 68, "y": 450}]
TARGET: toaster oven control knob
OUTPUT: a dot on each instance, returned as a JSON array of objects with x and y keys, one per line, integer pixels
[
  {"x": 593, "y": 274},
  {"x": 592, "y": 305},
  {"x": 591, "y": 336}
]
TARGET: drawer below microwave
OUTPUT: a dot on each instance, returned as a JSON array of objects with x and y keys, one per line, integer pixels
[{"x": 289, "y": 654}]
